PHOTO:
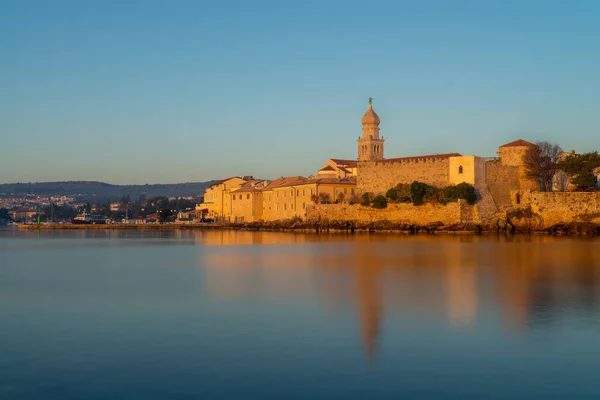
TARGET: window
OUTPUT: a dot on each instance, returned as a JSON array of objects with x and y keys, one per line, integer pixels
[
  {"x": 297, "y": 193},
  {"x": 303, "y": 206},
  {"x": 285, "y": 206},
  {"x": 345, "y": 190},
  {"x": 248, "y": 196},
  {"x": 352, "y": 191},
  {"x": 303, "y": 192},
  {"x": 460, "y": 169}
]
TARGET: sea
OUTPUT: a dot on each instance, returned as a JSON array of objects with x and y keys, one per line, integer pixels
[{"x": 112, "y": 314}]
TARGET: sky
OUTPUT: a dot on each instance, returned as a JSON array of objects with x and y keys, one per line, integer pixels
[{"x": 147, "y": 91}]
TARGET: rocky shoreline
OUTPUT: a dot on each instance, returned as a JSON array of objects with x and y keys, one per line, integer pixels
[{"x": 500, "y": 226}]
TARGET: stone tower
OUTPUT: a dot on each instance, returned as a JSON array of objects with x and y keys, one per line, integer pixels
[{"x": 370, "y": 146}]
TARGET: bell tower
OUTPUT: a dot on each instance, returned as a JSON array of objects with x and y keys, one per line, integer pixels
[{"x": 370, "y": 146}]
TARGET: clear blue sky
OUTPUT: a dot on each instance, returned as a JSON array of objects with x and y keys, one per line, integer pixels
[{"x": 174, "y": 91}]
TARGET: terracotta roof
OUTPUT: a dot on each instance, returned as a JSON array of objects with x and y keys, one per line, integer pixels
[
  {"x": 224, "y": 180},
  {"x": 250, "y": 186},
  {"x": 345, "y": 163},
  {"x": 428, "y": 157},
  {"x": 285, "y": 181},
  {"x": 327, "y": 168},
  {"x": 518, "y": 143},
  {"x": 345, "y": 170}
]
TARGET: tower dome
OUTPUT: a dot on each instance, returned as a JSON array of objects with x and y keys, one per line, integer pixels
[
  {"x": 370, "y": 117},
  {"x": 370, "y": 146}
]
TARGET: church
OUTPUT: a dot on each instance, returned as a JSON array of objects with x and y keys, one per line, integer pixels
[{"x": 493, "y": 178}]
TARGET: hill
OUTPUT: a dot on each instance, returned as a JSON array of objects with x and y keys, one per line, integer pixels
[{"x": 88, "y": 190}]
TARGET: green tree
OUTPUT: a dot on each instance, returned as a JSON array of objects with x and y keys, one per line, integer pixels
[
  {"x": 379, "y": 202},
  {"x": 366, "y": 199},
  {"x": 418, "y": 191},
  {"x": 579, "y": 168},
  {"x": 392, "y": 194}
]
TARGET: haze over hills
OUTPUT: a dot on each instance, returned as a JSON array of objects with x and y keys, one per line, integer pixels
[{"x": 100, "y": 190}]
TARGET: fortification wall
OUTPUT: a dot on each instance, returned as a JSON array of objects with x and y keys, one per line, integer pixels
[
  {"x": 500, "y": 180},
  {"x": 377, "y": 176},
  {"x": 402, "y": 213},
  {"x": 557, "y": 207}
]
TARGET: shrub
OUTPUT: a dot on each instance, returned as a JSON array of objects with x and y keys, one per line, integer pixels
[
  {"x": 418, "y": 191},
  {"x": 466, "y": 192},
  {"x": 392, "y": 194},
  {"x": 379, "y": 202},
  {"x": 403, "y": 193},
  {"x": 366, "y": 199}
]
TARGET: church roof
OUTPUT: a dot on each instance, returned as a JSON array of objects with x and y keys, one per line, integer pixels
[
  {"x": 370, "y": 117},
  {"x": 518, "y": 143},
  {"x": 428, "y": 157},
  {"x": 327, "y": 168},
  {"x": 345, "y": 163}
]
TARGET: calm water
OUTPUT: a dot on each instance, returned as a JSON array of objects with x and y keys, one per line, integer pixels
[{"x": 130, "y": 315}]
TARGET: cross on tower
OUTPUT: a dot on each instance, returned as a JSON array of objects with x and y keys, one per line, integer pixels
[{"x": 370, "y": 101}]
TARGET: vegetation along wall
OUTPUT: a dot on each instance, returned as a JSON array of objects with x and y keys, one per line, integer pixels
[{"x": 400, "y": 212}]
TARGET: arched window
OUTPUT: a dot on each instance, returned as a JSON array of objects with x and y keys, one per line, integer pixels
[{"x": 460, "y": 169}]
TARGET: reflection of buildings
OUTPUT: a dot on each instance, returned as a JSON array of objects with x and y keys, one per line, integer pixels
[{"x": 453, "y": 279}]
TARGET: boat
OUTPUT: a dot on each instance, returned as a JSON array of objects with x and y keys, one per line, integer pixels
[{"x": 88, "y": 219}]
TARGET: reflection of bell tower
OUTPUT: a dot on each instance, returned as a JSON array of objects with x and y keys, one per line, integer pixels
[{"x": 370, "y": 146}]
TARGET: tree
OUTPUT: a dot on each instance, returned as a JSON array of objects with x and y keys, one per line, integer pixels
[
  {"x": 340, "y": 198},
  {"x": 418, "y": 191},
  {"x": 392, "y": 194},
  {"x": 379, "y": 202},
  {"x": 324, "y": 198},
  {"x": 579, "y": 168},
  {"x": 540, "y": 162},
  {"x": 314, "y": 198},
  {"x": 366, "y": 199}
]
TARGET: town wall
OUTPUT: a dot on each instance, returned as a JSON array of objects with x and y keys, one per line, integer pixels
[
  {"x": 379, "y": 176},
  {"x": 500, "y": 180},
  {"x": 560, "y": 207},
  {"x": 401, "y": 213}
]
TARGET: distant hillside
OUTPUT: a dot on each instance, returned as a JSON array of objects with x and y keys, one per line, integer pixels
[{"x": 87, "y": 190}]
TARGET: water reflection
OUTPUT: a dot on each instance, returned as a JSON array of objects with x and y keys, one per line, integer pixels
[{"x": 519, "y": 284}]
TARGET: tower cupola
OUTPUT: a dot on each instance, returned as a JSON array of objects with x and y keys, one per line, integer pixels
[{"x": 370, "y": 146}]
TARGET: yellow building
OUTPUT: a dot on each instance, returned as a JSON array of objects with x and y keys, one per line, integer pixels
[
  {"x": 216, "y": 198},
  {"x": 246, "y": 202},
  {"x": 336, "y": 168},
  {"x": 288, "y": 197},
  {"x": 469, "y": 169}
]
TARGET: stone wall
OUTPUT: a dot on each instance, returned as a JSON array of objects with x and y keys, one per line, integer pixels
[
  {"x": 557, "y": 207},
  {"x": 501, "y": 179},
  {"x": 402, "y": 213},
  {"x": 379, "y": 176}
]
